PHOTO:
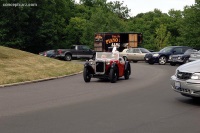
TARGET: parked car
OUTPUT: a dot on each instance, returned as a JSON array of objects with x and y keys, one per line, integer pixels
[
  {"x": 134, "y": 54},
  {"x": 48, "y": 53},
  {"x": 107, "y": 65},
  {"x": 75, "y": 52},
  {"x": 181, "y": 58},
  {"x": 162, "y": 56},
  {"x": 186, "y": 80},
  {"x": 194, "y": 56}
]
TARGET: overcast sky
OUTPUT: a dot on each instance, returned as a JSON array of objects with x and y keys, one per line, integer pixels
[{"x": 143, "y": 6}]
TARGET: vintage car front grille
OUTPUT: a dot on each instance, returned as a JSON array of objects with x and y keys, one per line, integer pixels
[
  {"x": 100, "y": 67},
  {"x": 183, "y": 75}
]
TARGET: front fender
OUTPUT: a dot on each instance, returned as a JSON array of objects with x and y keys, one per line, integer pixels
[
  {"x": 114, "y": 66},
  {"x": 89, "y": 67}
]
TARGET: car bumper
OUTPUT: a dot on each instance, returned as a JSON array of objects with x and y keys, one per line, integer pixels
[
  {"x": 189, "y": 87},
  {"x": 152, "y": 59},
  {"x": 175, "y": 61}
]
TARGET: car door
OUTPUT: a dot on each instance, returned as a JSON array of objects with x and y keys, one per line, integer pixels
[
  {"x": 135, "y": 55},
  {"x": 86, "y": 52}
]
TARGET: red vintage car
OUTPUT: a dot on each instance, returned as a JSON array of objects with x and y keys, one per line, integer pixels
[{"x": 107, "y": 65}]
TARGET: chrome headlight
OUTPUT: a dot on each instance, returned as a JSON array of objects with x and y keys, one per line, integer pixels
[
  {"x": 195, "y": 76},
  {"x": 155, "y": 55},
  {"x": 170, "y": 57},
  {"x": 91, "y": 63},
  {"x": 179, "y": 58}
]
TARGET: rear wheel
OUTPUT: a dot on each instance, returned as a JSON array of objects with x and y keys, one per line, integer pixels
[
  {"x": 162, "y": 60},
  {"x": 113, "y": 75},
  {"x": 86, "y": 75},
  {"x": 127, "y": 73},
  {"x": 125, "y": 58},
  {"x": 68, "y": 57}
]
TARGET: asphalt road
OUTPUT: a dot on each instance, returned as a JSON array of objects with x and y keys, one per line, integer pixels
[{"x": 143, "y": 104}]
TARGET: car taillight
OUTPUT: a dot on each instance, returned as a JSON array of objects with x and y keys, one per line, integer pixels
[{"x": 45, "y": 54}]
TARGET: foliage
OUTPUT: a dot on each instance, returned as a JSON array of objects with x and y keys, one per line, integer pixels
[{"x": 52, "y": 24}]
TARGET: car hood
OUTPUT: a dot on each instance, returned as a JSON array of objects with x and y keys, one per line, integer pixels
[{"x": 190, "y": 67}]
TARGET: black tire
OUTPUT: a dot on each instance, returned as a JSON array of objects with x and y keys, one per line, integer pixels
[
  {"x": 162, "y": 60},
  {"x": 172, "y": 63},
  {"x": 150, "y": 62},
  {"x": 86, "y": 75},
  {"x": 125, "y": 58},
  {"x": 68, "y": 57},
  {"x": 127, "y": 73},
  {"x": 186, "y": 61},
  {"x": 113, "y": 75}
]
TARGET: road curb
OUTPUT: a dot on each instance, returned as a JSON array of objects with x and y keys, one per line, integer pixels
[{"x": 39, "y": 80}]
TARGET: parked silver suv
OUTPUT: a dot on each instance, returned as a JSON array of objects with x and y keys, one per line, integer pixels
[{"x": 187, "y": 79}]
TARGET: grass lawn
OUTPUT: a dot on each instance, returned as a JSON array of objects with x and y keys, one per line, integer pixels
[{"x": 19, "y": 66}]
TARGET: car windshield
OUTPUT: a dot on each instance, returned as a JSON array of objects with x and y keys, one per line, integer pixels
[
  {"x": 189, "y": 51},
  {"x": 166, "y": 49},
  {"x": 144, "y": 50},
  {"x": 107, "y": 55}
]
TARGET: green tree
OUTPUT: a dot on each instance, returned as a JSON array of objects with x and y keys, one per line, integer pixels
[
  {"x": 190, "y": 28},
  {"x": 162, "y": 37},
  {"x": 75, "y": 30}
]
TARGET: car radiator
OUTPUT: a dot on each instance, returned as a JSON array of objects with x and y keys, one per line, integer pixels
[{"x": 100, "y": 67}]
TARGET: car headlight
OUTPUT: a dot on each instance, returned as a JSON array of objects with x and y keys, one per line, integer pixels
[
  {"x": 195, "y": 76},
  {"x": 179, "y": 58},
  {"x": 155, "y": 55},
  {"x": 170, "y": 57}
]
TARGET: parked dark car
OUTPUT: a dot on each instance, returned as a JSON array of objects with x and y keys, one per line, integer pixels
[
  {"x": 181, "y": 58},
  {"x": 75, "y": 52},
  {"x": 162, "y": 56},
  {"x": 48, "y": 53},
  {"x": 194, "y": 56}
]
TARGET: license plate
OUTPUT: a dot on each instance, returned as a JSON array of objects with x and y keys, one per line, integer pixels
[{"x": 177, "y": 85}]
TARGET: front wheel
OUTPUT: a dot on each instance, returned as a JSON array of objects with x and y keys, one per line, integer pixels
[
  {"x": 186, "y": 60},
  {"x": 113, "y": 75},
  {"x": 86, "y": 75},
  {"x": 162, "y": 60},
  {"x": 68, "y": 57},
  {"x": 150, "y": 62}
]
